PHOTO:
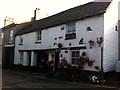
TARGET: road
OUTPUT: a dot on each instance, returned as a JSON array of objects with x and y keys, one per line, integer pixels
[
  {"x": 0, "y": 76},
  {"x": 12, "y": 79}
]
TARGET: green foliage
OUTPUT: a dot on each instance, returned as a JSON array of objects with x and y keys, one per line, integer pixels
[
  {"x": 50, "y": 74},
  {"x": 83, "y": 75},
  {"x": 72, "y": 73},
  {"x": 62, "y": 75}
]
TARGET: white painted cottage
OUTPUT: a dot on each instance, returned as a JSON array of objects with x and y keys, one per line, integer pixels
[{"x": 91, "y": 28}]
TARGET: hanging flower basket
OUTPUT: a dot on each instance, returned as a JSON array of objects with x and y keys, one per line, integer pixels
[
  {"x": 91, "y": 43},
  {"x": 90, "y": 63},
  {"x": 86, "y": 60},
  {"x": 60, "y": 45},
  {"x": 62, "y": 63}
]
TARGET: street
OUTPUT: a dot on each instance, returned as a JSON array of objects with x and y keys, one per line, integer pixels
[
  {"x": 12, "y": 79},
  {"x": 0, "y": 76}
]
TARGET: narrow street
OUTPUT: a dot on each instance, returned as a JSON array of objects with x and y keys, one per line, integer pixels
[
  {"x": 12, "y": 79},
  {"x": 0, "y": 76}
]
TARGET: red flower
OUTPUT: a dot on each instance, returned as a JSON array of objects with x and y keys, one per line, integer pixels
[
  {"x": 48, "y": 63},
  {"x": 86, "y": 59},
  {"x": 62, "y": 63},
  {"x": 90, "y": 63}
]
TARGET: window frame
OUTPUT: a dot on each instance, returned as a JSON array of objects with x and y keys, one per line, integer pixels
[
  {"x": 2, "y": 35},
  {"x": 21, "y": 53},
  {"x": 75, "y": 57},
  {"x": 21, "y": 40},
  {"x": 38, "y": 36},
  {"x": 71, "y": 25},
  {"x": 11, "y": 36}
]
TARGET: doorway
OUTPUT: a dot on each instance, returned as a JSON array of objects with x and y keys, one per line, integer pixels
[{"x": 42, "y": 57}]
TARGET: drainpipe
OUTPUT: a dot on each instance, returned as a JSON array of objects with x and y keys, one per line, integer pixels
[
  {"x": 57, "y": 54},
  {"x": 102, "y": 58},
  {"x": 57, "y": 59},
  {"x": 102, "y": 69}
]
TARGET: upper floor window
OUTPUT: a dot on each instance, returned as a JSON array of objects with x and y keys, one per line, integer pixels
[
  {"x": 38, "y": 35},
  {"x": 11, "y": 37},
  {"x": 2, "y": 36},
  {"x": 71, "y": 27},
  {"x": 71, "y": 31},
  {"x": 21, "y": 40}
]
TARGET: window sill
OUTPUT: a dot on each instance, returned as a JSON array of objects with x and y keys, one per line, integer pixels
[
  {"x": 10, "y": 42},
  {"x": 37, "y": 42},
  {"x": 21, "y": 44},
  {"x": 70, "y": 36}
]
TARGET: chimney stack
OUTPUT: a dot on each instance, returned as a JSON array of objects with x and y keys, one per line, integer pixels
[
  {"x": 38, "y": 15},
  {"x": 8, "y": 21}
]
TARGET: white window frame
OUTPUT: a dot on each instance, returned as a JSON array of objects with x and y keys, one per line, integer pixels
[
  {"x": 21, "y": 40},
  {"x": 2, "y": 36},
  {"x": 11, "y": 36},
  {"x": 21, "y": 57},
  {"x": 76, "y": 57},
  {"x": 38, "y": 36},
  {"x": 72, "y": 24}
]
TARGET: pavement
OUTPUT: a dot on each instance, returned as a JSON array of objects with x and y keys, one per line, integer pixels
[
  {"x": 23, "y": 80},
  {"x": 36, "y": 80}
]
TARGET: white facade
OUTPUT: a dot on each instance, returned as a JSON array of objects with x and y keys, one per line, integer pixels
[
  {"x": 49, "y": 35},
  {"x": 0, "y": 46},
  {"x": 102, "y": 26},
  {"x": 111, "y": 36}
]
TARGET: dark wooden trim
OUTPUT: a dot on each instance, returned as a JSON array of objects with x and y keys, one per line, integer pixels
[
  {"x": 70, "y": 36},
  {"x": 64, "y": 48},
  {"x": 37, "y": 42},
  {"x": 76, "y": 48},
  {"x": 20, "y": 44}
]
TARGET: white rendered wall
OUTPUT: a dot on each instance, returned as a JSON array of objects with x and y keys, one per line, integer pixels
[
  {"x": 97, "y": 31},
  {"x": 25, "y": 59},
  {"x": 119, "y": 10},
  {"x": 110, "y": 53},
  {"x": 48, "y": 35},
  {"x": 33, "y": 59}
]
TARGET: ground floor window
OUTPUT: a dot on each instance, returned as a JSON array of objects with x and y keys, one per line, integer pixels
[
  {"x": 21, "y": 57},
  {"x": 75, "y": 56}
]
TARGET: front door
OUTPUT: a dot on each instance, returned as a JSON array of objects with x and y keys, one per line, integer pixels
[
  {"x": 42, "y": 57},
  {"x": 56, "y": 60}
]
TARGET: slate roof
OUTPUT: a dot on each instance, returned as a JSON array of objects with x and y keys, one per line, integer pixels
[
  {"x": 21, "y": 27},
  {"x": 8, "y": 26},
  {"x": 80, "y": 12}
]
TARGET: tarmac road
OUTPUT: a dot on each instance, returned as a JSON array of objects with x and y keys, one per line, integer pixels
[
  {"x": 12, "y": 79},
  {"x": 0, "y": 76}
]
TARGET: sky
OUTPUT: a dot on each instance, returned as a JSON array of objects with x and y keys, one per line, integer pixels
[{"x": 23, "y": 10}]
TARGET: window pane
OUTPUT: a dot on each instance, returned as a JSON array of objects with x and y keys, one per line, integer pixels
[
  {"x": 77, "y": 54},
  {"x": 73, "y": 61},
  {"x": 21, "y": 40},
  {"x": 11, "y": 33},
  {"x": 2, "y": 36},
  {"x": 73, "y": 54},
  {"x": 71, "y": 27},
  {"x": 39, "y": 35},
  {"x": 75, "y": 57},
  {"x": 21, "y": 57}
]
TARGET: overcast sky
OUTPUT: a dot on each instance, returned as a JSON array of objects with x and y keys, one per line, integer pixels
[{"x": 22, "y": 10}]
